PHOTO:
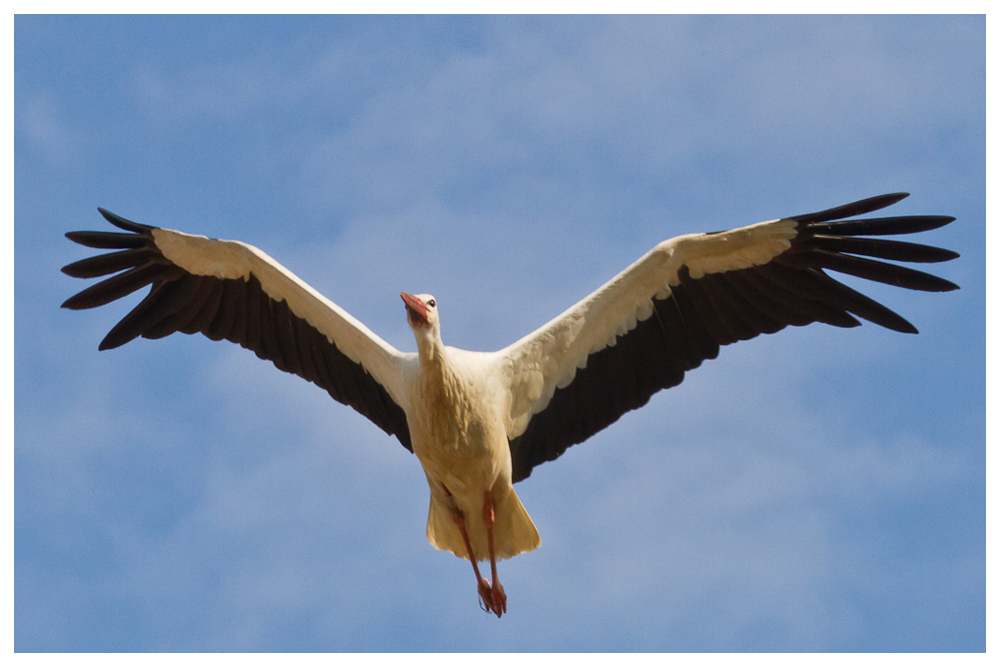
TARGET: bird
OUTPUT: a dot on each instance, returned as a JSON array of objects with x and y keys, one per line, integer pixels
[{"x": 479, "y": 422}]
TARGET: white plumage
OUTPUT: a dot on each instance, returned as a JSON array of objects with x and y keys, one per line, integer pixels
[{"x": 477, "y": 421}]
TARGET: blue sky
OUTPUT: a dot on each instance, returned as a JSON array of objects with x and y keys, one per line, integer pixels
[{"x": 816, "y": 490}]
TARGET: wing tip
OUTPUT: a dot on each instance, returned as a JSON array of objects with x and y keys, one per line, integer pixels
[
  {"x": 108, "y": 344},
  {"x": 948, "y": 286},
  {"x": 123, "y": 223},
  {"x": 851, "y": 210}
]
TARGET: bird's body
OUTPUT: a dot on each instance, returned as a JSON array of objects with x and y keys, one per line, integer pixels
[
  {"x": 456, "y": 418},
  {"x": 480, "y": 421}
]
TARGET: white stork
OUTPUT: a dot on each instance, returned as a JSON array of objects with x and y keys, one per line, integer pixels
[{"x": 480, "y": 421}]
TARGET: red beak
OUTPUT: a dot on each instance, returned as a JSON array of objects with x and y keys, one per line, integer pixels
[{"x": 415, "y": 308}]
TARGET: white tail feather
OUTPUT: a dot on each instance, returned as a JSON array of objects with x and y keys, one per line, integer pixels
[{"x": 513, "y": 530}]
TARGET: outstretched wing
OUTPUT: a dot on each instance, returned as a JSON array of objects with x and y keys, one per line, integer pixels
[
  {"x": 233, "y": 291},
  {"x": 674, "y": 307}
]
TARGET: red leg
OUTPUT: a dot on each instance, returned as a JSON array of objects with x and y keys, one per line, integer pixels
[
  {"x": 499, "y": 605},
  {"x": 485, "y": 592}
]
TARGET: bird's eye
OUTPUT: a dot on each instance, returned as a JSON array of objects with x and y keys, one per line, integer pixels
[{"x": 432, "y": 303}]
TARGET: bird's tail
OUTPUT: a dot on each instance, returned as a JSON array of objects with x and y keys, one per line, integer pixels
[{"x": 513, "y": 530}]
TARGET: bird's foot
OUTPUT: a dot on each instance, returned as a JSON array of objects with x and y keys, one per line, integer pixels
[
  {"x": 499, "y": 599},
  {"x": 492, "y": 598},
  {"x": 485, "y": 595}
]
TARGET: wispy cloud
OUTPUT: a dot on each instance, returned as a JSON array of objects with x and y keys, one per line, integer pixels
[
  {"x": 183, "y": 495},
  {"x": 43, "y": 122}
]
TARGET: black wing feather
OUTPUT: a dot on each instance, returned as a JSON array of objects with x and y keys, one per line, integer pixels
[
  {"x": 232, "y": 309},
  {"x": 717, "y": 309}
]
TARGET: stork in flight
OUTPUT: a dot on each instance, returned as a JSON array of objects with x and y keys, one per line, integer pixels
[{"x": 481, "y": 421}]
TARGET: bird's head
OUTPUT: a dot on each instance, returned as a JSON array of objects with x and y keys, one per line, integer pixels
[{"x": 421, "y": 311}]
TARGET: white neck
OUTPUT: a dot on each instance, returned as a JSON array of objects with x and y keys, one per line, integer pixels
[{"x": 429, "y": 347}]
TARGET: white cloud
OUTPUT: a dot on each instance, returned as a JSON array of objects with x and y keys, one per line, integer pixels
[{"x": 203, "y": 500}]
